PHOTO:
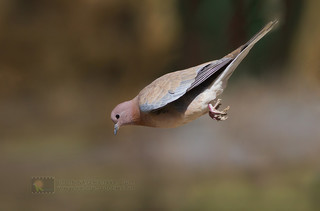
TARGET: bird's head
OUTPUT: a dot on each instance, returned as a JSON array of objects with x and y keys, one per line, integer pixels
[{"x": 126, "y": 113}]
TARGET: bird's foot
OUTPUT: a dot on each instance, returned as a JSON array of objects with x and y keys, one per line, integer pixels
[{"x": 214, "y": 113}]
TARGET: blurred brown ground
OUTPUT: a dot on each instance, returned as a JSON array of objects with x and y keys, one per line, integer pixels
[{"x": 65, "y": 64}]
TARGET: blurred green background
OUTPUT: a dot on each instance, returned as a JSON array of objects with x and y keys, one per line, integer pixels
[{"x": 64, "y": 65}]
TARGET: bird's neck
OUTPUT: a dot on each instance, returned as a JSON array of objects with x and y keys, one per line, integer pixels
[{"x": 135, "y": 111}]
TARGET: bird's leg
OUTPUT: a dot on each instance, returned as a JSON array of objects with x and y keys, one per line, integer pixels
[{"x": 214, "y": 113}]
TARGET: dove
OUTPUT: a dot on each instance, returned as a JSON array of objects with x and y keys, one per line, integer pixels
[{"x": 179, "y": 97}]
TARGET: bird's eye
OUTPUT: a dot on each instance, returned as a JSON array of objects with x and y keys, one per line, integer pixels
[{"x": 117, "y": 116}]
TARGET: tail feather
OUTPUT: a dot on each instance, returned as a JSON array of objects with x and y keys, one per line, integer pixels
[
  {"x": 261, "y": 33},
  {"x": 240, "y": 53}
]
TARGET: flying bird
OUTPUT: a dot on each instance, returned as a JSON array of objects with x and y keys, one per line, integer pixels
[{"x": 179, "y": 97}]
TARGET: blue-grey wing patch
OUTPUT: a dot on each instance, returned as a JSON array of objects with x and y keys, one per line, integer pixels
[{"x": 170, "y": 96}]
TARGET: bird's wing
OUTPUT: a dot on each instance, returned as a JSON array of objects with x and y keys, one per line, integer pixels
[{"x": 172, "y": 86}]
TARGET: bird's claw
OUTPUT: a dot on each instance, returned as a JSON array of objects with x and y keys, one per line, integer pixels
[{"x": 214, "y": 113}]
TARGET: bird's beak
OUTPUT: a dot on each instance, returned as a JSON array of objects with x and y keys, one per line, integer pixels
[{"x": 116, "y": 128}]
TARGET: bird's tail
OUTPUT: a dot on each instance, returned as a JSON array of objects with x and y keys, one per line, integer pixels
[
  {"x": 261, "y": 33},
  {"x": 242, "y": 52}
]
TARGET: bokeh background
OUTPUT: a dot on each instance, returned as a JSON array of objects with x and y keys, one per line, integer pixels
[{"x": 64, "y": 65}]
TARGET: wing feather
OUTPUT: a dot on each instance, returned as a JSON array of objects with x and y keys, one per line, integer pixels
[{"x": 172, "y": 86}]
